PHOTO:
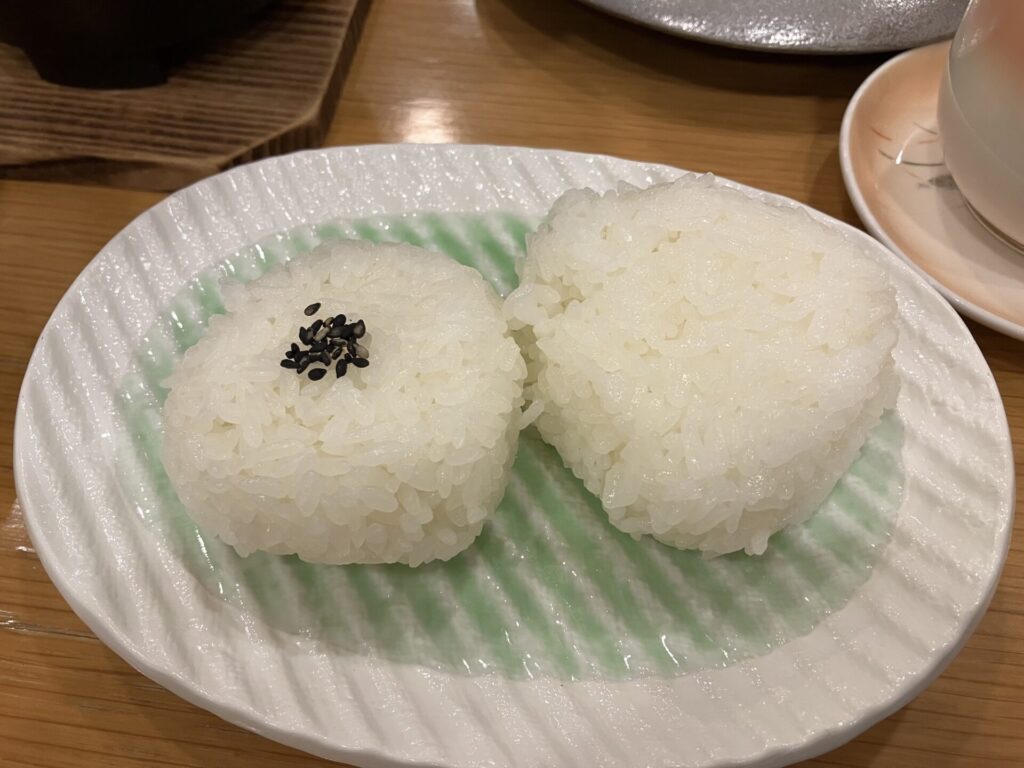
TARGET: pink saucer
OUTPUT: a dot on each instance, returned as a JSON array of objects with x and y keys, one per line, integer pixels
[{"x": 891, "y": 157}]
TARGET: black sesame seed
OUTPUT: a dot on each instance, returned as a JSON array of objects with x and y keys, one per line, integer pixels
[{"x": 327, "y": 341}]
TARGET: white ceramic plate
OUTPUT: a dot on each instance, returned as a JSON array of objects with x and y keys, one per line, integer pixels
[
  {"x": 554, "y": 640},
  {"x": 891, "y": 156}
]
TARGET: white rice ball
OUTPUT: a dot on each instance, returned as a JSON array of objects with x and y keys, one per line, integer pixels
[
  {"x": 401, "y": 461},
  {"x": 709, "y": 365}
]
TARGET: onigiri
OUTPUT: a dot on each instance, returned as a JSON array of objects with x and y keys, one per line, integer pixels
[
  {"x": 708, "y": 364},
  {"x": 360, "y": 404}
]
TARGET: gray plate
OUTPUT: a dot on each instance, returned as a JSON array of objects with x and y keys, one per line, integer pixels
[{"x": 798, "y": 26}]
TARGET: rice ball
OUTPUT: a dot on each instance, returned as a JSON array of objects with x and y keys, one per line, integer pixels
[
  {"x": 709, "y": 365},
  {"x": 398, "y": 461}
]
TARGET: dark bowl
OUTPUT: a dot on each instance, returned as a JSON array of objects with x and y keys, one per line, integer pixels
[{"x": 114, "y": 43}]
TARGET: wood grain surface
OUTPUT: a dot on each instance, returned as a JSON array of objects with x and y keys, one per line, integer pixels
[
  {"x": 270, "y": 87},
  {"x": 548, "y": 73}
]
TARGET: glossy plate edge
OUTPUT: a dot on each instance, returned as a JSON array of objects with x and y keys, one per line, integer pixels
[{"x": 652, "y": 19}]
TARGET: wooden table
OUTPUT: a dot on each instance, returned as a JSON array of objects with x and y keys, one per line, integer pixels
[{"x": 546, "y": 73}]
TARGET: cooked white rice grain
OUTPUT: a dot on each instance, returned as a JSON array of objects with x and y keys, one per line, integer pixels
[
  {"x": 401, "y": 461},
  {"x": 708, "y": 364}
]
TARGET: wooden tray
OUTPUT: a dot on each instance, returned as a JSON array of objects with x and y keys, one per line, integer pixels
[{"x": 268, "y": 88}]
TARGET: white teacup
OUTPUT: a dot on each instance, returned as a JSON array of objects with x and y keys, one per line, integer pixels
[{"x": 981, "y": 114}]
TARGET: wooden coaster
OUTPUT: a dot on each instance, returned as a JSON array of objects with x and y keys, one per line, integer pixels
[{"x": 266, "y": 89}]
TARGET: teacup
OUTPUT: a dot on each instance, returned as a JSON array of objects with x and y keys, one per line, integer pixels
[{"x": 981, "y": 114}]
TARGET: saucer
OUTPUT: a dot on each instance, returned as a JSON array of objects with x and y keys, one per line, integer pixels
[{"x": 891, "y": 157}]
